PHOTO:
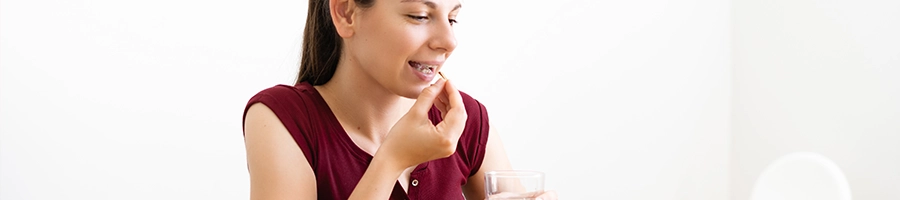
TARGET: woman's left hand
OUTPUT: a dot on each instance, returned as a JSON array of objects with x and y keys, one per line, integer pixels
[{"x": 547, "y": 195}]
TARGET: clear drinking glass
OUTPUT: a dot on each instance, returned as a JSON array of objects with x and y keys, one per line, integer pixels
[{"x": 513, "y": 184}]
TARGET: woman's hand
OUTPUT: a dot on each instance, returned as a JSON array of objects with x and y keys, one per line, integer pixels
[
  {"x": 414, "y": 139},
  {"x": 546, "y": 195}
]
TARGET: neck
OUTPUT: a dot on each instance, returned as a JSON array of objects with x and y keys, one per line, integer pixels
[{"x": 361, "y": 104}]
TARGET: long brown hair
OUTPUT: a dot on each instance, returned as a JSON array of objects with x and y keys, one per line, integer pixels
[{"x": 321, "y": 43}]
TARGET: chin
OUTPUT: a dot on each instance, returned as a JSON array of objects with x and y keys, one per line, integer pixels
[{"x": 411, "y": 92}]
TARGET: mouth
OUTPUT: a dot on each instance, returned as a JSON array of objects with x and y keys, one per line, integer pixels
[{"x": 427, "y": 69}]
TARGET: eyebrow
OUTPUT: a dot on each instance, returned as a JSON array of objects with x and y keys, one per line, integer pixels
[{"x": 431, "y": 4}]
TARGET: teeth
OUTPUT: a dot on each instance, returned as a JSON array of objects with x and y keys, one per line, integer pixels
[{"x": 424, "y": 68}]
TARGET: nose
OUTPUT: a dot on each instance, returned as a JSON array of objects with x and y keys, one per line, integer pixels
[{"x": 443, "y": 38}]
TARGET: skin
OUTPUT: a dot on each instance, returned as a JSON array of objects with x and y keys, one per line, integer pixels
[{"x": 379, "y": 102}]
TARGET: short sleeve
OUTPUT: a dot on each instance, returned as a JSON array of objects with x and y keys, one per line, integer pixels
[
  {"x": 289, "y": 106},
  {"x": 475, "y": 135}
]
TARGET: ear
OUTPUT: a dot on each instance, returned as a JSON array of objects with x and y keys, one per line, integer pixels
[{"x": 342, "y": 13}]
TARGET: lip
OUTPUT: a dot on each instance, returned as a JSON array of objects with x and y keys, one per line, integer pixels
[
  {"x": 422, "y": 76},
  {"x": 438, "y": 63}
]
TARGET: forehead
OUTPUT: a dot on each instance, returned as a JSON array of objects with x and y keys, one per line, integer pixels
[{"x": 436, "y": 4}]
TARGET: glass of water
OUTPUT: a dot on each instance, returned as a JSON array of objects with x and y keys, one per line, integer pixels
[{"x": 513, "y": 184}]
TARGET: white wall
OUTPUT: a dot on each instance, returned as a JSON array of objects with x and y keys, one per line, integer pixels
[
  {"x": 613, "y": 99},
  {"x": 143, "y": 100},
  {"x": 134, "y": 99},
  {"x": 821, "y": 76}
]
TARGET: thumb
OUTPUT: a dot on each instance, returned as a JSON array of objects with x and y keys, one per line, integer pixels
[{"x": 426, "y": 98}]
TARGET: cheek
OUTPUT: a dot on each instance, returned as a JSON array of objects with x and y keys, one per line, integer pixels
[
  {"x": 389, "y": 45},
  {"x": 396, "y": 41}
]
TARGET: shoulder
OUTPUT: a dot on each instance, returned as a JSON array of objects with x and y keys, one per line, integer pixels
[
  {"x": 283, "y": 96},
  {"x": 274, "y": 160},
  {"x": 284, "y": 100},
  {"x": 474, "y": 108},
  {"x": 294, "y": 107},
  {"x": 282, "y": 92}
]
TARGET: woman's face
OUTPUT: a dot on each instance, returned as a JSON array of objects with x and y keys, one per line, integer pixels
[{"x": 402, "y": 44}]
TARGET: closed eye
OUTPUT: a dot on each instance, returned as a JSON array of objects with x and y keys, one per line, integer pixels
[{"x": 417, "y": 17}]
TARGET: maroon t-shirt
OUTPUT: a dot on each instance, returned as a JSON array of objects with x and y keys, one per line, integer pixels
[{"x": 339, "y": 164}]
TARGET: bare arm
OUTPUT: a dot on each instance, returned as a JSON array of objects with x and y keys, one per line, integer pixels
[
  {"x": 278, "y": 168},
  {"x": 494, "y": 159}
]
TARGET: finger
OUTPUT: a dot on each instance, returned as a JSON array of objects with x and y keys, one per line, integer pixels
[
  {"x": 456, "y": 105},
  {"x": 455, "y": 117},
  {"x": 426, "y": 98},
  {"x": 443, "y": 97},
  {"x": 453, "y": 96},
  {"x": 442, "y": 107},
  {"x": 454, "y": 122},
  {"x": 443, "y": 104},
  {"x": 548, "y": 195}
]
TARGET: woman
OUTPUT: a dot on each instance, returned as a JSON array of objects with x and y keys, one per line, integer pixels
[{"x": 363, "y": 120}]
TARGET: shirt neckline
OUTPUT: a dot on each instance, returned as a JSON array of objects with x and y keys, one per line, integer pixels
[{"x": 342, "y": 134}]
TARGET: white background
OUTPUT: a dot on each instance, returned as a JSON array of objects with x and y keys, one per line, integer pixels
[
  {"x": 647, "y": 99},
  {"x": 820, "y": 76}
]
